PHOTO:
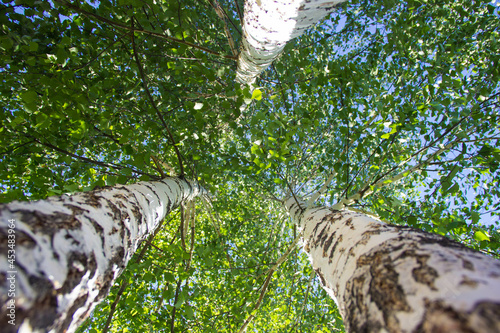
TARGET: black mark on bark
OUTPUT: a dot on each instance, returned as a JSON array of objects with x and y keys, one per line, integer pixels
[
  {"x": 424, "y": 273},
  {"x": 442, "y": 317},
  {"x": 328, "y": 243}
]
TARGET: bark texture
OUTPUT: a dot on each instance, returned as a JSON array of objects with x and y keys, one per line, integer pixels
[
  {"x": 268, "y": 25},
  {"x": 387, "y": 278},
  {"x": 70, "y": 249}
]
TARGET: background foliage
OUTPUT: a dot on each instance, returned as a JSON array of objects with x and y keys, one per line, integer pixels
[{"x": 107, "y": 92}]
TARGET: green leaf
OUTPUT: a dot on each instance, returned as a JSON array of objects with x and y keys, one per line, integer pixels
[
  {"x": 475, "y": 217},
  {"x": 41, "y": 119},
  {"x": 149, "y": 277},
  {"x": 480, "y": 235},
  {"x": 28, "y": 97},
  {"x": 168, "y": 293},
  {"x": 6, "y": 43},
  {"x": 33, "y": 46},
  {"x": 188, "y": 312},
  {"x": 180, "y": 301},
  {"x": 255, "y": 149},
  {"x": 454, "y": 189},
  {"x": 169, "y": 277},
  {"x": 412, "y": 220},
  {"x": 257, "y": 94},
  {"x": 126, "y": 171}
]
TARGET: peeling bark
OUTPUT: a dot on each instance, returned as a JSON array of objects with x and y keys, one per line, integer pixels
[
  {"x": 268, "y": 25},
  {"x": 387, "y": 278},
  {"x": 70, "y": 249}
]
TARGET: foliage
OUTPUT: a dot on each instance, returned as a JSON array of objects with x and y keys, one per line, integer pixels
[{"x": 100, "y": 93}]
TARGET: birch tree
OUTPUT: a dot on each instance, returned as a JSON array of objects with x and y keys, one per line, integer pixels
[
  {"x": 398, "y": 279},
  {"x": 269, "y": 25},
  {"x": 64, "y": 253},
  {"x": 396, "y": 99}
]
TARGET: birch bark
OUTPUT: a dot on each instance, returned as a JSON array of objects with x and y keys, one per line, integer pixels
[
  {"x": 65, "y": 252},
  {"x": 268, "y": 25},
  {"x": 387, "y": 278}
]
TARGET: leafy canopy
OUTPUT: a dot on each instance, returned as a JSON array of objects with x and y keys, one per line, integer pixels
[{"x": 398, "y": 98}]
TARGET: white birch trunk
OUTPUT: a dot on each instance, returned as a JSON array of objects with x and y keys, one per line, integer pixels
[
  {"x": 268, "y": 25},
  {"x": 65, "y": 252},
  {"x": 387, "y": 278}
]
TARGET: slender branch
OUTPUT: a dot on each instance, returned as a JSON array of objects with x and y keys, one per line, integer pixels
[
  {"x": 290, "y": 191},
  {"x": 215, "y": 222},
  {"x": 285, "y": 256},
  {"x": 481, "y": 139},
  {"x": 125, "y": 283},
  {"x": 269, "y": 273},
  {"x": 282, "y": 90},
  {"x": 153, "y": 104},
  {"x": 113, "y": 306},
  {"x": 182, "y": 227},
  {"x": 240, "y": 14},
  {"x": 257, "y": 304},
  {"x": 190, "y": 215},
  {"x": 158, "y": 163},
  {"x": 426, "y": 147},
  {"x": 348, "y": 144},
  {"x": 309, "y": 284},
  {"x": 177, "y": 291},
  {"x": 235, "y": 26},
  {"x": 158, "y": 166},
  {"x": 216, "y": 225},
  {"x": 192, "y": 219},
  {"x": 369, "y": 158},
  {"x": 365, "y": 191},
  {"x": 221, "y": 14},
  {"x": 143, "y": 31},
  {"x": 99, "y": 54},
  {"x": 364, "y": 212},
  {"x": 322, "y": 190},
  {"x": 88, "y": 160},
  {"x": 11, "y": 150},
  {"x": 162, "y": 297}
]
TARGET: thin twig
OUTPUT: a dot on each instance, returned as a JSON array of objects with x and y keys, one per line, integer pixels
[
  {"x": 182, "y": 225},
  {"x": 257, "y": 304},
  {"x": 216, "y": 225},
  {"x": 192, "y": 219},
  {"x": 269, "y": 273},
  {"x": 132, "y": 29},
  {"x": 11, "y": 150},
  {"x": 89, "y": 160},
  {"x": 177, "y": 291},
  {"x": 240, "y": 14},
  {"x": 99, "y": 54},
  {"x": 221, "y": 14},
  {"x": 125, "y": 283},
  {"x": 311, "y": 277},
  {"x": 153, "y": 104}
]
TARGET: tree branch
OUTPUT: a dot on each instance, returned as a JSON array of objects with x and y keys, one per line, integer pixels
[
  {"x": 11, "y": 150},
  {"x": 89, "y": 160},
  {"x": 153, "y": 104},
  {"x": 220, "y": 13},
  {"x": 177, "y": 291},
  {"x": 269, "y": 273},
  {"x": 143, "y": 31},
  {"x": 125, "y": 283},
  {"x": 257, "y": 304}
]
